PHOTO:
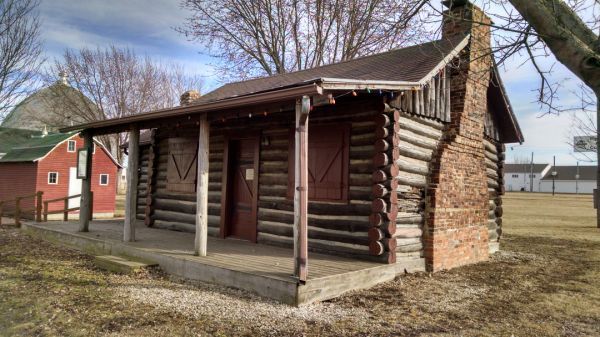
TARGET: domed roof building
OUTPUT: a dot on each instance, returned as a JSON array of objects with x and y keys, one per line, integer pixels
[{"x": 52, "y": 107}]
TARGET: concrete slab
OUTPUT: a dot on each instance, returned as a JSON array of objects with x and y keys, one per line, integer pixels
[{"x": 120, "y": 265}]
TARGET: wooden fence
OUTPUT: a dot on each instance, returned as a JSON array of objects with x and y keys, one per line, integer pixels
[
  {"x": 19, "y": 210},
  {"x": 39, "y": 212},
  {"x": 65, "y": 210}
]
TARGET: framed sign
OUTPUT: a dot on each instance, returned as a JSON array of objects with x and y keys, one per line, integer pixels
[
  {"x": 584, "y": 143},
  {"x": 82, "y": 163}
]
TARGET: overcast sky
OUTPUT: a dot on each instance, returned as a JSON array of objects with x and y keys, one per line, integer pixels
[{"x": 147, "y": 27}]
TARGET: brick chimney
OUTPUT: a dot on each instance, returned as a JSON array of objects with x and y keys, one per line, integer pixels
[
  {"x": 457, "y": 197},
  {"x": 189, "y": 97}
]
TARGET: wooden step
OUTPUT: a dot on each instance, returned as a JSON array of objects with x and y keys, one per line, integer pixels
[{"x": 119, "y": 264}]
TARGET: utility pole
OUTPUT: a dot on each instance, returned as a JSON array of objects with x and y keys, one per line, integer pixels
[
  {"x": 577, "y": 180},
  {"x": 553, "y": 173},
  {"x": 531, "y": 174}
]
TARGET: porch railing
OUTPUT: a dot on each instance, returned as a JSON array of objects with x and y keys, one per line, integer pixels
[
  {"x": 19, "y": 210},
  {"x": 65, "y": 210}
]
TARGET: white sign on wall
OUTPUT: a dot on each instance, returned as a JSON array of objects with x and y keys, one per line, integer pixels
[{"x": 584, "y": 144}]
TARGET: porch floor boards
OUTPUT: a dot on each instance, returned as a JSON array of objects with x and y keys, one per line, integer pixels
[
  {"x": 232, "y": 254},
  {"x": 266, "y": 270}
]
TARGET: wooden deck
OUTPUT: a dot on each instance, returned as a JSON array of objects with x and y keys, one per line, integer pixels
[{"x": 266, "y": 270}]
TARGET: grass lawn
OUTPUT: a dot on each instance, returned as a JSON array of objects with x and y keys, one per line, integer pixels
[{"x": 544, "y": 282}]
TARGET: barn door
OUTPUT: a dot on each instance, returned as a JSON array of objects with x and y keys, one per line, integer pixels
[
  {"x": 328, "y": 163},
  {"x": 242, "y": 189},
  {"x": 182, "y": 165}
]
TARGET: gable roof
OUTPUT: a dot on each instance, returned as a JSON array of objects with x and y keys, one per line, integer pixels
[
  {"x": 10, "y": 137},
  {"x": 569, "y": 172},
  {"x": 35, "y": 147},
  {"x": 406, "y": 65},
  {"x": 524, "y": 168},
  {"x": 396, "y": 70}
]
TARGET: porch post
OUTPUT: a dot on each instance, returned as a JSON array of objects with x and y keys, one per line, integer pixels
[
  {"x": 301, "y": 190},
  {"x": 133, "y": 157},
  {"x": 202, "y": 189},
  {"x": 85, "y": 207}
]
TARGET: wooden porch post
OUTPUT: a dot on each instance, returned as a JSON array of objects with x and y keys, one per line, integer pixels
[
  {"x": 200, "y": 242},
  {"x": 133, "y": 157},
  {"x": 301, "y": 190},
  {"x": 85, "y": 207}
]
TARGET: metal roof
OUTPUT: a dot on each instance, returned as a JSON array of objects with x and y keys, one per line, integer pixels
[{"x": 35, "y": 147}]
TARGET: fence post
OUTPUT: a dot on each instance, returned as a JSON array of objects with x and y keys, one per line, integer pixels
[
  {"x": 45, "y": 211},
  {"x": 1, "y": 211},
  {"x": 66, "y": 207},
  {"x": 38, "y": 206},
  {"x": 18, "y": 211},
  {"x": 91, "y": 205}
]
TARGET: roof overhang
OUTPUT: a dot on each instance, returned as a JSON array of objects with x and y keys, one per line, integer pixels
[
  {"x": 511, "y": 130},
  {"x": 122, "y": 124}
]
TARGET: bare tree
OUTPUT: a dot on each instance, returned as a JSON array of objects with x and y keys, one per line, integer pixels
[
  {"x": 267, "y": 37},
  {"x": 20, "y": 49},
  {"x": 114, "y": 83}
]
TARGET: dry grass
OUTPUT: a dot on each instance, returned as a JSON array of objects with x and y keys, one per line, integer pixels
[{"x": 545, "y": 282}]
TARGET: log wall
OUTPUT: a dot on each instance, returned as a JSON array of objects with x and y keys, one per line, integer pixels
[
  {"x": 408, "y": 142},
  {"x": 494, "y": 162},
  {"x": 333, "y": 227}
]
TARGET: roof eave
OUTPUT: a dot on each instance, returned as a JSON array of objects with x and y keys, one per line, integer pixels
[{"x": 229, "y": 103}]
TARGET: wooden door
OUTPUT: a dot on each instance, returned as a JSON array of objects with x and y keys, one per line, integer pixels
[{"x": 242, "y": 189}]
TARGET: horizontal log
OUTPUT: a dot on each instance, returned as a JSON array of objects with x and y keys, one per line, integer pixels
[
  {"x": 408, "y": 232},
  {"x": 274, "y": 166},
  {"x": 418, "y": 127},
  {"x": 273, "y": 178},
  {"x": 360, "y": 139},
  {"x": 283, "y": 229},
  {"x": 183, "y": 227},
  {"x": 342, "y": 223},
  {"x": 418, "y": 140},
  {"x": 362, "y": 152},
  {"x": 315, "y": 245},
  {"x": 411, "y": 179},
  {"x": 415, "y": 152},
  {"x": 319, "y": 208},
  {"x": 409, "y": 219},
  {"x": 412, "y": 165}
]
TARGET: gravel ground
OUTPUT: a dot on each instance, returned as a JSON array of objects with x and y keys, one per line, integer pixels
[{"x": 202, "y": 300}]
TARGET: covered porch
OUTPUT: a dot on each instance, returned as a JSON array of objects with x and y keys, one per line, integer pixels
[{"x": 265, "y": 270}]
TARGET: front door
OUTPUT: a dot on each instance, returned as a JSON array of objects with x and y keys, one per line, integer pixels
[
  {"x": 74, "y": 187},
  {"x": 242, "y": 185}
]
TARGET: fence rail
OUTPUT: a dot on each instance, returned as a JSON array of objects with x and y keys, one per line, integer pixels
[
  {"x": 42, "y": 210},
  {"x": 65, "y": 210},
  {"x": 19, "y": 210}
]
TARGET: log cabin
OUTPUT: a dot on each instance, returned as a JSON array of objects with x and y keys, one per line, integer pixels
[{"x": 387, "y": 157}]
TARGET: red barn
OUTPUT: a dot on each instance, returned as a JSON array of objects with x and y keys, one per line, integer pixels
[{"x": 31, "y": 161}]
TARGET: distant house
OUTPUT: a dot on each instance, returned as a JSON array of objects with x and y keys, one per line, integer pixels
[
  {"x": 34, "y": 161},
  {"x": 570, "y": 179},
  {"x": 519, "y": 177}
]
